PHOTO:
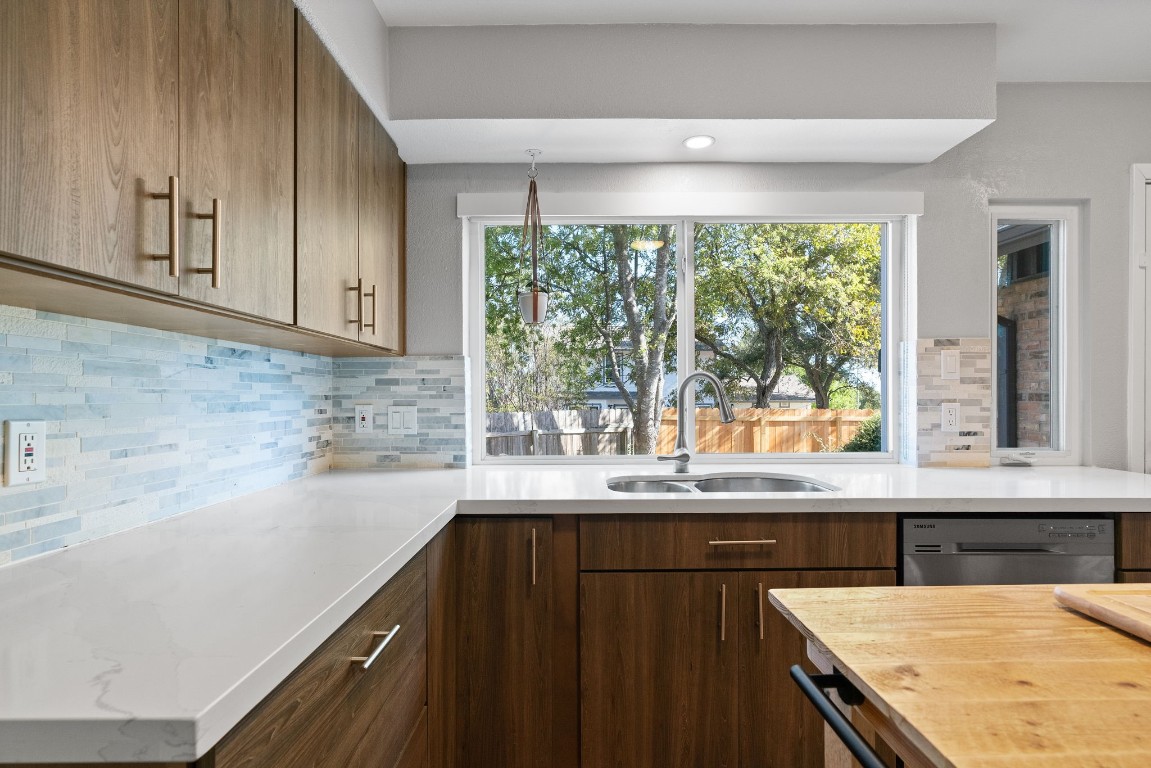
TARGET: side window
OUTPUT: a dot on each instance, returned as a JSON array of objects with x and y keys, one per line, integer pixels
[{"x": 1035, "y": 263}]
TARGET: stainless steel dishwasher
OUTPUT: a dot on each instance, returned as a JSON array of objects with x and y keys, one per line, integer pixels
[{"x": 1008, "y": 550}]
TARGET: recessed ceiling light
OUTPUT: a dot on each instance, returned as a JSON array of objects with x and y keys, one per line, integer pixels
[{"x": 698, "y": 142}]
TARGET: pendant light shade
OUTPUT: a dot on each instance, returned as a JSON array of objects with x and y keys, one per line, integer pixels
[{"x": 533, "y": 301}]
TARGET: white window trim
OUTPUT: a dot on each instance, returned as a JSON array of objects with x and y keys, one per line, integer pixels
[
  {"x": 898, "y": 210},
  {"x": 1067, "y": 418},
  {"x": 1138, "y": 277}
]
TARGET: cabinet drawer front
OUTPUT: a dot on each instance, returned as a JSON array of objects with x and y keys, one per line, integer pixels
[
  {"x": 707, "y": 541},
  {"x": 325, "y": 709}
]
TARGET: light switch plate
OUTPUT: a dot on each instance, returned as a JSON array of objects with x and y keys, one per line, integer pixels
[
  {"x": 402, "y": 420},
  {"x": 25, "y": 444},
  {"x": 949, "y": 364}
]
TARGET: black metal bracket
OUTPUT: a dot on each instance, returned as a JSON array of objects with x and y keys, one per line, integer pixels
[
  {"x": 848, "y": 693},
  {"x": 813, "y": 688}
]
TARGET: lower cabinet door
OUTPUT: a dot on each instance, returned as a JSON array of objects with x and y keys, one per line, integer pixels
[
  {"x": 778, "y": 726},
  {"x": 659, "y": 676},
  {"x": 503, "y": 635}
]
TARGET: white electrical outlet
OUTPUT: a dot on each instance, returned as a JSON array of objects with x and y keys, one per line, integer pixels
[
  {"x": 24, "y": 447},
  {"x": 402, "y": 420},
  {"x": 949, "y": 414},
  {"x": 364, "y": 419}
]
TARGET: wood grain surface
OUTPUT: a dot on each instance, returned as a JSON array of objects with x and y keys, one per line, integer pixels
[
  {"x": 503, "y": 644},
  {"x": 383, "y": 190},
  {"x": 237, "y": 143},
  {"x": 655, "y": 542},
  {"x": 327, "y": 203},
  {"x": 1134, "y": 541},
  {"x": 778, "y": 728},
  {"x": 88, "y": 130},
  {"x": 1126, "y": 606},
  {"x": 986, "y": 676},
  {"x": 327, "y": 712},
  {"x": 660, "y": 679}
]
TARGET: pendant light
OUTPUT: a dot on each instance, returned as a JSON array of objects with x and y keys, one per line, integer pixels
[{"x": 534, "y": 301}]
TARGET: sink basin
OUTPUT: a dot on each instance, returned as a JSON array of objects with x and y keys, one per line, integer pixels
[
  {"x": 758, "y": 484},
  {"x": 647, "y": 486},
  {"x": 720, "y": 482}
]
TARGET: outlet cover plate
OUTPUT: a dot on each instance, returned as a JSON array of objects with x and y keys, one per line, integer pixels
[
  {"x": 949, "y": 416},
  {"x": 364, "y": 419},
  {"x": 25, "y": 445}
]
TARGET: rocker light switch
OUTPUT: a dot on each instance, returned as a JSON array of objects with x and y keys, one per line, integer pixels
[
  {"x": 402, "y": 420},
  {"x": 949, "y": 364}
]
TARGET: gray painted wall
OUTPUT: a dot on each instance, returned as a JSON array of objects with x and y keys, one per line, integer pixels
[
  {"x": 685, "y": 70},
  {"x": 1059, "y": 142}
]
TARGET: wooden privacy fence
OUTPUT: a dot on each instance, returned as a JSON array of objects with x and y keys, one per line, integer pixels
[
  {"x": 768, "y": 430},
  {"x": 560, "y": 433},
  {"x": 610, "y": 433}
]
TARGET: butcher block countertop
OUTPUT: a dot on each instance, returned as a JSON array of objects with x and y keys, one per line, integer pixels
[{"x": 989, "y": 676}]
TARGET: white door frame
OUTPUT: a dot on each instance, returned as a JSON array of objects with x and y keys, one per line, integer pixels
[{"x": 1137, "y": 332}]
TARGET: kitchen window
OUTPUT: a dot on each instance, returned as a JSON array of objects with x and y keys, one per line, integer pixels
[
  {"x": 1035, "y": 263},
  {"x": 797, "y": 316}
]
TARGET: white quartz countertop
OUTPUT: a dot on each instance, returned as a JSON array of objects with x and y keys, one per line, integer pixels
[{"x": 150, "y": 645}]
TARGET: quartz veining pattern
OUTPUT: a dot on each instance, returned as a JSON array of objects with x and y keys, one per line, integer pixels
[{"x": 152, "y": 644}]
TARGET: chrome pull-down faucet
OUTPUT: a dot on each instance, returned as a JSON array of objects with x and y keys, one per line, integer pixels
[{"x": 680, "y": 454}]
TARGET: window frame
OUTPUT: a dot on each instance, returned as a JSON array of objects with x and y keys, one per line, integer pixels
[
  {"x": 1067, "y": 408},
  {"x": 477, "y": 211}
]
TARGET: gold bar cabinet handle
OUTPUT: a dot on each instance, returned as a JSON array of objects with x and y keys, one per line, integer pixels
[
  {"x": 533, "y": 557},
  {"x": 722, "y": 612},
  {"x": 173, "y": 198},
  {"x": 759, "y": 599},
  {"x": 736, "y": 542},
  {"x": 358, "y": 288},
  {"x": 217, "y": 217},
  {"x": 367, "y": 661},
  {"x": 372, "y": 325}
]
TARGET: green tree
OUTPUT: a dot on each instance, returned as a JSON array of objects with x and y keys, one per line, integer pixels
[
  {"x": 802, "y": 294},
  {"x": 610, "y": 303}
]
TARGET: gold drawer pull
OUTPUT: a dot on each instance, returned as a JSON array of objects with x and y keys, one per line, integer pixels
[
  {"x": 734, "y": 542},
  {"x": 173, "y": 198},
  {"x": 358, "y": 289},
  {"x": 217, "y": 268},
  {"x": 722, "y": 612},
  {"x": 367, "y": 661}
]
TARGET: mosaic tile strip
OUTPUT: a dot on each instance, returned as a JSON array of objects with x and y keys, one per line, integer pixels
[
  {"x": 971, "y": 446},
  {"x": 436, "y": 385},
  {"x": 145, "y": 424}
]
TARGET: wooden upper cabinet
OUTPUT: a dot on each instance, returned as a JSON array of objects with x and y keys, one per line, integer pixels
[
  {"x": 327, "y": 202},
  {"x": 382, "y": 221},
  {"x": 88, "y": 131},
  {"x": 237, "y": 143}
]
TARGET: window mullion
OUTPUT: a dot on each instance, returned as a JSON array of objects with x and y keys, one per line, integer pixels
[{"x": 685, "y": 314}]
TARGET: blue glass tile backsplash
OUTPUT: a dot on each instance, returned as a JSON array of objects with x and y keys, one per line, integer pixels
[{"x": 144, "y": 424}]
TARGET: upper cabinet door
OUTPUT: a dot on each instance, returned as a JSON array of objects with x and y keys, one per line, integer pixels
[
  {"x": 383, "y": 185},
  {"x": 88, "y": 133},
  {"x": 237, "y": 76},
  {"x": 327, "y": 260}
]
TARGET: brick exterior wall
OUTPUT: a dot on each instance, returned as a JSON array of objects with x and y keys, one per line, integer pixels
[{"x": 1028, "y": 303}]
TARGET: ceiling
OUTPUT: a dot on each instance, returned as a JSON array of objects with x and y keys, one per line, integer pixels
[{"x": 1038, "y": 40}]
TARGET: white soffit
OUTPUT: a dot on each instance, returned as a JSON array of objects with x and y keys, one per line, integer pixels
[
  {"x": 633, "y": 93},
  {"x": 660, "y": 141}
]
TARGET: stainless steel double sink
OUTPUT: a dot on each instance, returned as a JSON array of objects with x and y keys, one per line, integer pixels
[{"x": 719, "y": 482}]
